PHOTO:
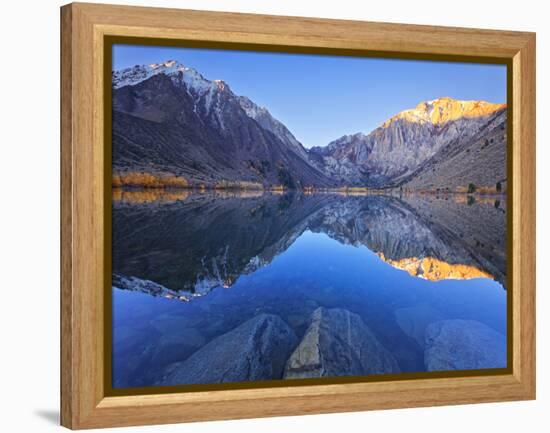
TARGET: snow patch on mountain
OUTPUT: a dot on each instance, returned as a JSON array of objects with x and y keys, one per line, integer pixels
[
  {"x": 206, "y": 93},
  {"x": 268, "y": 122},
  {"x": 138, "y": 73},
  {"x": 197, "y": 86}
]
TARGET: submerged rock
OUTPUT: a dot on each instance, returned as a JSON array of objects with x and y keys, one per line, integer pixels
[
  {"x": 255, "y": 350},
  {"x": 414, "y": 320},
  {"x": 338, "y": 343},
  {"x": 172, "y": 348},
  {"x": 463, "y": 345}
]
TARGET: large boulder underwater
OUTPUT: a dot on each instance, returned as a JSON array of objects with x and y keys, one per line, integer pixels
[
  {"x": 255, "y": 350},
  {"x": 463, "y": 345},
  {"x": 338, "y": 343}
]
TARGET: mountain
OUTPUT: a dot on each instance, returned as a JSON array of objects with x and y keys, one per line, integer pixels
[
  {"x": 172, "y": 125},
  {"x": 479, "y": 161},
  {"x": 397, "y": 148},
  {"x": 267, "y": 121}
]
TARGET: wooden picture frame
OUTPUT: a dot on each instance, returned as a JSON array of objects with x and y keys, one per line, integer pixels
[{"x": 85, "y": 270}]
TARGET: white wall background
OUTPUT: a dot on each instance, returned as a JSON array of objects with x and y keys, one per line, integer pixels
[{"x": 29, "y": 216}]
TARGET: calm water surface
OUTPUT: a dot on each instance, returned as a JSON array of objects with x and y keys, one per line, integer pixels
[{"x": 190, "y": 268}]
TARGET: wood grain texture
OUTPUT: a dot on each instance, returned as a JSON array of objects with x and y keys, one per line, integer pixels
[
  {"x": 524, "y": 215},
  {"x": 67, "y": 394},
  {"x": 84, "y": 26}
]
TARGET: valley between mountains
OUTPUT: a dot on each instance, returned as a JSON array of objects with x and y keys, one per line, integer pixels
[{"x": 172, "y": 127}]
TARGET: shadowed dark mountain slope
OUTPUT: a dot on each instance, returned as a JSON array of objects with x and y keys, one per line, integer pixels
[{"x": 180, "y": 123}]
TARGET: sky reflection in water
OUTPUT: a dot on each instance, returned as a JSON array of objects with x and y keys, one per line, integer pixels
[{"x": 289, "y": 255}]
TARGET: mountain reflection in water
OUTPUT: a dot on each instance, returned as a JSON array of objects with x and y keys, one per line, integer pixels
[{"x": 412, "y": 274}]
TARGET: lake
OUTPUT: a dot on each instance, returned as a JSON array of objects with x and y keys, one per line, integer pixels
[{"x": 229, "y": 287}]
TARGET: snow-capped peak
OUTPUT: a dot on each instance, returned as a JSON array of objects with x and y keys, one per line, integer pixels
[
  {"x": 172, "y": 68},
  {"x": 207, "y": 94},
  {"x": 167, "y": 64}
]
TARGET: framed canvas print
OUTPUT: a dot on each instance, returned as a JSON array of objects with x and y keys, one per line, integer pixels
[{"x": 270, "y": 216}]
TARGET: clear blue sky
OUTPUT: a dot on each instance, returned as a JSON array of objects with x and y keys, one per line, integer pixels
[{"x": 321, "y": 98}]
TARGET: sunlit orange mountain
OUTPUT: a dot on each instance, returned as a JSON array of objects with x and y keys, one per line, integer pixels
[
  {"x": 411, "y": 138},
  {"x": 443, "y": 110},
  {"x": 432, "y": 269}
]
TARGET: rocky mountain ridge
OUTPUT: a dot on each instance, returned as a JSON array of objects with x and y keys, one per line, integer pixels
[
  {"x": 171, "y": 123},
  {"x": 398, "y": 147},
  {"x": 477, "y": 163},
  {"x": 168, "y": 120}
]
